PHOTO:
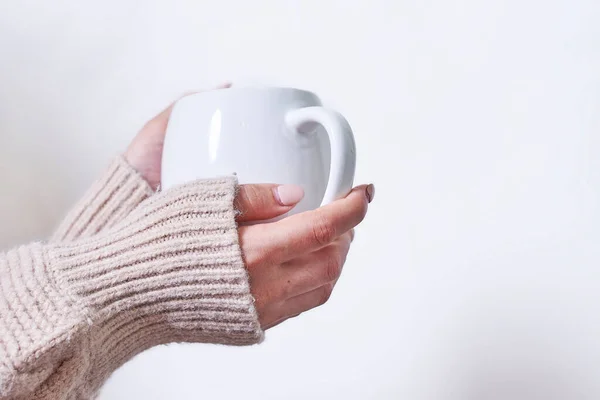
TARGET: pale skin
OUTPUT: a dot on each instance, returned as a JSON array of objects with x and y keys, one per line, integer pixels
[{"x": 293, "y": 263}]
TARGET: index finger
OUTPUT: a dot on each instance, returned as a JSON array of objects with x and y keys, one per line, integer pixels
[{"x": 312, "y": 230}]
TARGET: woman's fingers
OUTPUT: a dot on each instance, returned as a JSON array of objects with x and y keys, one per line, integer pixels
[
  {"x": 277, "y": 283},
  {"x": 296, "y": 306},
  {"x": 316, "y": 269},
  {"x": 294, "y": 263},
  {"x": 265, "y": 201},
  {"x": 311, "y": 230}
]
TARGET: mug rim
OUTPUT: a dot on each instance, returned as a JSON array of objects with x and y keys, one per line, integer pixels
[{"x": 257, "y": 88}]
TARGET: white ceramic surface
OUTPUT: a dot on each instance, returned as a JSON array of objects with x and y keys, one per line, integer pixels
[{"x": 264, "y": 135}]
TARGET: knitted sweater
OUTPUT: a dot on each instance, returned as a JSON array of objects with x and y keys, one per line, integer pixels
[{"x": 126, "y": 271}]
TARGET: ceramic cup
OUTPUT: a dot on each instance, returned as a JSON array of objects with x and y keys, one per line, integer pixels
[{"x": 263, "y": 135}]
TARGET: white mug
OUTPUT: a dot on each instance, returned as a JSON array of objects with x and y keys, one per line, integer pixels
[{"x": 263, "y": 135}]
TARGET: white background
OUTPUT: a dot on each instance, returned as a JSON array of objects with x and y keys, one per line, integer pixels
[{"x": 477, "y": 272}]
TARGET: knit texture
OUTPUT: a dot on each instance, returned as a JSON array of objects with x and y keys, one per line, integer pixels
[
  {"x": 112, "y": 197},
  {"x": 171, "y": 271}
]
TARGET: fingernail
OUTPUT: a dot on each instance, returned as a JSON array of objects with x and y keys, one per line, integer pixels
[
  {"x": 370, "y": 192},
  {"x": 288, "y": 195}
]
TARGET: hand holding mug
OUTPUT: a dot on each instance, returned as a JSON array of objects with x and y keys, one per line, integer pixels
[{"x": 293, "y": 263}]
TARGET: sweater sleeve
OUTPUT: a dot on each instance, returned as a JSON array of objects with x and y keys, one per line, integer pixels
[
  {"x": 112, "y": 196},
  {"x": 171, "y": 271}
]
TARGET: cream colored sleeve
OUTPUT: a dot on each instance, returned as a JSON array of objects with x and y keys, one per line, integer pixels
[
  {"x": 112, "y": 197},
  {"x": 170, "y": 271}
]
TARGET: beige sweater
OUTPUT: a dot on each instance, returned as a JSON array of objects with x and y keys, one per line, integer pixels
[{"x": 127, "y": 270}]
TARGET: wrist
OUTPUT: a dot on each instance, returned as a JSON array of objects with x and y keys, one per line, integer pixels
[{"x": 171, "y": 271}]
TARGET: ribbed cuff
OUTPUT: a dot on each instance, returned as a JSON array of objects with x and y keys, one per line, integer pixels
[
  {"x": 118, "y": 191},
  {"x": 35, "y": 319},
  {"x": 172, "y": 271}
]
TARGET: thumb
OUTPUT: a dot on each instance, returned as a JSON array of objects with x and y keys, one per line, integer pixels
[{"x": 265, "y": 201}]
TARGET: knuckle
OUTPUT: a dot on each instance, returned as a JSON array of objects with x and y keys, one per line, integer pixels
[
  {"x": 323, "y": 231},
  {"x": 250, "y": 196},
  {"x": 249, "y": 199}
]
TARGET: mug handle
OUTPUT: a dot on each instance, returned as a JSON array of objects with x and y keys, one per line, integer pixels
[{"x": 341, "y": 139}]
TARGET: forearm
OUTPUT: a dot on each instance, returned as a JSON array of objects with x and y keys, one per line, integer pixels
[
  {"x": 118, "y": 191},
  {"x": 36, "y": 319},
  {"x": 171, "y": 271}
]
